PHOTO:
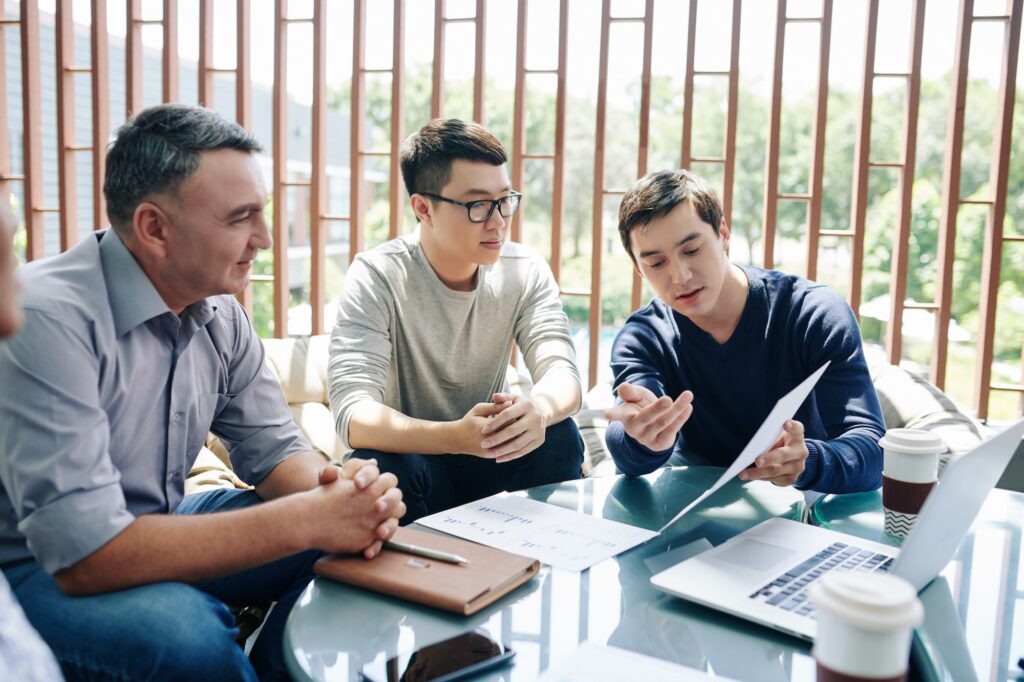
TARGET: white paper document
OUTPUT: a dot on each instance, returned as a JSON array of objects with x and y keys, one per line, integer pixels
[
  {"x": 559, "y": 537},
  {"x": 763, "y": 438}
]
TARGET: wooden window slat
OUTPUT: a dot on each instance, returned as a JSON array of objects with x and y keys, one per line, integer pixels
[
  {"x": 318, "y": 171},
  {"x": 998, "y": 178},
  {"x": 951, "y": 193},
  {"x": 66, "y": 164},
  {"x": 32, "y": 127},
  {"x": 280, "y": 155}
]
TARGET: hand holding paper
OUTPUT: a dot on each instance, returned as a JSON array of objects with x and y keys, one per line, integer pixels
[
  {"x": 763, "y": 438},
  {"x": 784, "y": 462}
]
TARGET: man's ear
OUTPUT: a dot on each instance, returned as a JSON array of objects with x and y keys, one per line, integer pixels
[
  {"x": 632, "y": 255},
  {"x": 724, "y": 233},
  {"x": 636, "y": 266},
  {"x": 421, "y": 208},
  {"x": 149, "y": 228}
]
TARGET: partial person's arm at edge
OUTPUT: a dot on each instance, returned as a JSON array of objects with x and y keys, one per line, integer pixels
[{"x": 334, "y": 517}]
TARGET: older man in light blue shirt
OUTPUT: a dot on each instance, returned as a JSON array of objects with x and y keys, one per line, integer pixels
[
  {"x": 131, "y": 352},
  {"x": 109, "y": 395}
]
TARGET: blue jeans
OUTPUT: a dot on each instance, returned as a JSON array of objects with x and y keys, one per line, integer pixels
[
  {"x": 170, "y": 630},
  {"x": 432, "y": 483}
]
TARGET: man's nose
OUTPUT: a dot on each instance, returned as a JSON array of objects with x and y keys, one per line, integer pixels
[
  {"x": 680, "y": 272},
  {"x": 261, "y": 238},
  {"x": 496, "y": 221}
]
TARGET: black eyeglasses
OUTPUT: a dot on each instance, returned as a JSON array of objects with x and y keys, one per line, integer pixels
[{"x": 480, "y": 211}]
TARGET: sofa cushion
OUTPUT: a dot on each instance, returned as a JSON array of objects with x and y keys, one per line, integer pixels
[
  {"x": 210, "y": 472},
  {"x": 300, "y": 364},
  {"x": 318, "y": 355},
  {"x": 298, "y": 373},
  {"x": 910, "y": 401},
  {"x": 592, "y": 423},
  {"x": 317, "y": 424}
]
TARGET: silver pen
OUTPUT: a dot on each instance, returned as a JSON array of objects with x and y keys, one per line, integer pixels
[{"x": 425, "y": 552}]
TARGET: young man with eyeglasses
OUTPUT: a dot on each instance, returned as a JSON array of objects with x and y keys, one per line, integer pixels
[{"x": 425, "y": 330}]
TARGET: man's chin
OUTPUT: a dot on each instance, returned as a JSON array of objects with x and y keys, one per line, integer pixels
[
  {"x": 235, "y": 285},
  {"x": 488, "y": 257},
  {"x": 675, "y": 304}
]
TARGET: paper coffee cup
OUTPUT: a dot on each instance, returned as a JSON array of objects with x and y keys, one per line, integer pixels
[
  {"x": 865, "y": 625},
  {"x": 909, "y": 473}
]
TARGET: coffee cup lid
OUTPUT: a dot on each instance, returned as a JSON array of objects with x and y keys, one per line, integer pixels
[
  {"x": 872, "y": 601},
  {"x": 912, "y": 441}
]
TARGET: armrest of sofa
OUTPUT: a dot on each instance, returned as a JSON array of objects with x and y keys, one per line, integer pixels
[
  {"x": 212, "y": 470},
  {"x": 597, "y": 461},
  {"x": 300, "y": 364},
  {"x": 910, "y": 401}
]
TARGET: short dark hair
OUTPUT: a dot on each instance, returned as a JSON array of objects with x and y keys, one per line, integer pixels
[
  {"x": 656, "y": 194},
  {"x": 159, "y": 149},
  {"x": 427, "y": 154}
]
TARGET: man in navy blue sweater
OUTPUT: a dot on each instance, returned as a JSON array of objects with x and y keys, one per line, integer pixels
[{"x": 699, "y": 368}]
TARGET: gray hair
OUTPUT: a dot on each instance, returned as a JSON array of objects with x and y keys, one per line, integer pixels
[{"x": 159, "y": 149}]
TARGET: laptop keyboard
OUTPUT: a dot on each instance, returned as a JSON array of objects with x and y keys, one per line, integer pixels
[{"x": 789, "y": 590}]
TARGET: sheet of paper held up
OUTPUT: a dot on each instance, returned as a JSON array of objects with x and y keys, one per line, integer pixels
[
  {"x": 559, "y": 537},
  {"x": 763, "y": 438}
]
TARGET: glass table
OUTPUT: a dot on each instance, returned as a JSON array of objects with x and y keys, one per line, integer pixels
[
  {"x": 334, "y": 630},
  {"x": 973, "y": 627}
]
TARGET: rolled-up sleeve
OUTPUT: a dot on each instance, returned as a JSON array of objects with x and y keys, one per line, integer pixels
[
  {"x": 252, "y": 418},
  {"x": 54, "y": 437}
]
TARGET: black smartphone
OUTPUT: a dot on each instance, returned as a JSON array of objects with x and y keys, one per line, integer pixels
[{"x": 450, "y": 659}]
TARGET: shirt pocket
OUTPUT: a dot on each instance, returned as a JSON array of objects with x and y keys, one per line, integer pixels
[{"x": 208, "y": 407}]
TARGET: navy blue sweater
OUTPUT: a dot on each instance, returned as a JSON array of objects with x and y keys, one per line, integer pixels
[{"x": 789, "y": 327}]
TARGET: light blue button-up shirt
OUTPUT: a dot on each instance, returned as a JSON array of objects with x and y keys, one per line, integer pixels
[{"x": 106, "y": 397}]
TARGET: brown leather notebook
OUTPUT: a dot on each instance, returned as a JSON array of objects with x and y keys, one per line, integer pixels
[{"x": 462, "y": 588}]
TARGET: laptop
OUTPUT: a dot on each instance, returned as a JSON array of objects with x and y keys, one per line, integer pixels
[{"x": 763, "y": 573}]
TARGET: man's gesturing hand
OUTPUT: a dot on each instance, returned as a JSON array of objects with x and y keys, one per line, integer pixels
[
  {"x": 653, "y": 422},
  {"x": 784, "y": 462}
]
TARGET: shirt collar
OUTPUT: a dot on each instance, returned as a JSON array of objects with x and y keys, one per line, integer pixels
[
  {"x": 200, "y": 313},
  {"x": 133, "y": 298}
]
